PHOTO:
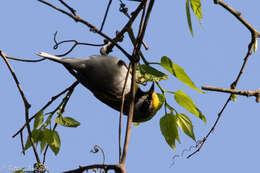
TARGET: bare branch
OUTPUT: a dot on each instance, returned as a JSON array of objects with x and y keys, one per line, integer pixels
[
  {"x": 26, "y": 105},
  {"x": 56, "y": 46},
  {"x": 46, "y": 105},
  {"x": 105, "y": 16},
  {"x": 134, "y": 61},
  {"x": 121, "y": 111},
  {"x": 254, "y": 35},
  {"x": 247, "y": 93},
  {"x": 73, "y": 11},
  {"x": 92, "y": 27},
  {"x": 109, "y": 48},
  {"x": 24, "y": 60},
  {"x": 117, "y": 168},
  {"x": 130, "y": 114},
  {"x": 238, "y": 15},
  {"x": 21, "y": 137}
]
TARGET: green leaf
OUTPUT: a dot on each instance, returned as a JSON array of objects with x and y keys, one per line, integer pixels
[
  {"x": 186, "y": 102},
  {"x": 36, "y": 136},
  {"x": 53, "y": 140},
  {"x": 38, "y": 119},
  {"x": 44, "y": 139},
  {"x": 185, "y": 125},
  {"x": 48, "y": 121},
  {"x": 178, "y": 72},
  {"x": 168, "y": 126},
  {"x": 43, "y": 144},
  {"x": 196, "y": 8},
  {"x": 188, "y": 16},
  {"x": 145, "y": 73},
  {"x": 67, "y": 121}
]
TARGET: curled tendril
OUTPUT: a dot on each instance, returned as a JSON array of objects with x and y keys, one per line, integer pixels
[
  {"x": 96, "y": 149},
  {"x": 186, "y": 150},
  {"x": 56, "y": 46}
]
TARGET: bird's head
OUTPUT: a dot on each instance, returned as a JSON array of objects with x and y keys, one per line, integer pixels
[{"x": 146, "y": 105}]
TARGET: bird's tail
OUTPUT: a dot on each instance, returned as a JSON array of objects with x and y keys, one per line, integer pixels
[{"x": 49, "y": 56}]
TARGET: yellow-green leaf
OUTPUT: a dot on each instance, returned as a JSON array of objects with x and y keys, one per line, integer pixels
[
  {"x": 178, "y": 72},
  {"x": 185, "y": 125},
  {"x": 168, "y": 126},
  {"x": 67, "y": 121},
  {"x": 38, "y": 119},
  {"x": 145, "y": 73},
  {"x": 188, "y": 16},
  {"x": 196, "y": 8},
  {"x": 36, "y": 136},
  {"x": 43, "y": 141},
  {"x": 53, "y": 140},
  {"x": 186, "y": 102}
]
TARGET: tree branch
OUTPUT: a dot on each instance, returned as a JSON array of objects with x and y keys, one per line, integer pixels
[
  {"x": 105, "y": 16},
  {"x": 26, "y": 105},
  {"x": 117, "y": 168},
  {"x": 46, "y": 105},
  {"x": 254, "y": 35},
  {"x": 72, "y": 47},
  {"x": 247, "y": 93},
  {"x": 92, "y": 27},
  {"x": 121, "y": 112},
  {"x": 118, "y": 37}
]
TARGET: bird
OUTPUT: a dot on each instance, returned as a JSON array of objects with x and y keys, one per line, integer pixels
[{"x": 105, "y": 77}]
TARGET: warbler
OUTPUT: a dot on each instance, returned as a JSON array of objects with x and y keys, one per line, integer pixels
[{"x": 105, "y": 76}]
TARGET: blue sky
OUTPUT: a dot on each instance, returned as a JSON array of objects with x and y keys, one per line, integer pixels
[{"x": 212, "y": 57}]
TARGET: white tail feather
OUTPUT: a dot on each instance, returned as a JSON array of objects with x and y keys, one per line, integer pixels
[{"x": 49, "y": 56}]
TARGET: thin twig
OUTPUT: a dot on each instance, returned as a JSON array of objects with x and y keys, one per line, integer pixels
[
  {"x": 237, "y": 15},
  {"x": 124, "y": 10},
  {"x": 247, "y": 93},
  {"x": 26, "y": 105},
  {"x": 46, "y": 105},
  {"x": 121, "y": 111},
  {"x": 140, "y": 38},
  {"x": 130, "y": 114},
  {"x": 73, "y": 11},
  {"x": 92, "y": 27},
  {"x": 117, "y": 168},
  {"x": 63, "y": 106},
  {"x": 105, "y": 16},
  {"x": 132, "y": 97},
  {"x": 141, "y": 32},
  {"x": 125, "y": 28},
  {"x": 24, "y": 60},
  {"x": 21, "y": 137},
  {"x": 47, "y": 147},
  {"x": 72, "y": 47},
  {"x": 254, "y": 35}
]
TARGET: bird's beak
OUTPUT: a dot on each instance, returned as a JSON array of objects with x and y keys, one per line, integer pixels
[{"x": 151, "y": 90}]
